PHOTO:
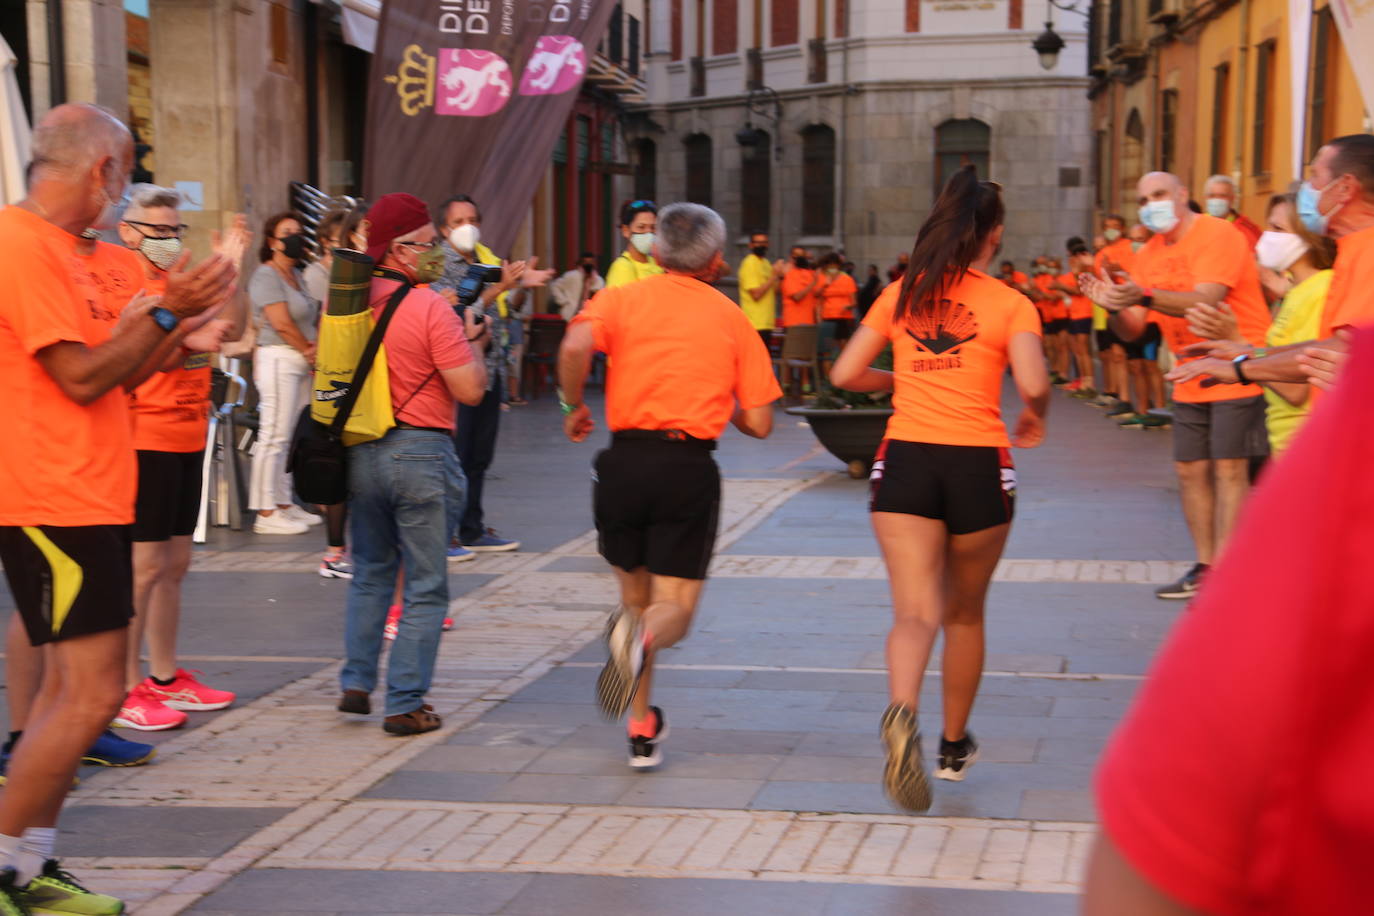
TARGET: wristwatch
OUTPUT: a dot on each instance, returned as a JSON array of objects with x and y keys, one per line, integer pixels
[
  {"x": 165, "y": 319},
  {"x": 1240, "y": 373},
  {"x": 1147, "y": 297}
]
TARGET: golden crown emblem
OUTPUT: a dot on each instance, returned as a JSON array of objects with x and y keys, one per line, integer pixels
[{"x": 414, "y": 80}]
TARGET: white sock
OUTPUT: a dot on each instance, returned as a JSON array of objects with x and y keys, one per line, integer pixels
[
  {"x": 9, "y": 851},
  {"x": 35, "y": 849}
]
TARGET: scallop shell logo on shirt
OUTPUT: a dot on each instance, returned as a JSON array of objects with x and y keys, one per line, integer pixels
[
  {"x": 945, "y": 328},
  {"x": 556, "y": 66}
]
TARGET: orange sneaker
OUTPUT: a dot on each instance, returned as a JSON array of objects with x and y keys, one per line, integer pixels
[
  {"x": 185, "y": 692},
  {"x": 143, "y": 710}
]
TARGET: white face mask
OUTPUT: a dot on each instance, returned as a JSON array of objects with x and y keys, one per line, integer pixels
[
  {"x": 1159, "y": 216},
  {"x": 1219, "y": 207},
  {"x": 1279, "y": 251},
  {"x": 162, "y": 253},
  {"x": 109, "y": 214},
  {"x": 465, "y": 237},
  {"x": 643, "y": 242}
]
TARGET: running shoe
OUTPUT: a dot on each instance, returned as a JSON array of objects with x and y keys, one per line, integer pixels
[
  {"x": 11, "y": 896},
  {"x": 144, "y": 710},
  {"x": 491, "y": 542},
  {"x": 278, "y": 523},
  {"x": 1105, "y": 400},
  {"x": 297, "y": 514},
  {"x": 956, "y": 757},
  {"x": 1134, "y": 421},
  {"x": 57, "y": 891},
  {"x": 1186, "y": 587},
  {"x": 185, "y": 692},
  {"x": 110, "y": 750},
  {"x": 1156, "y": 421},
  {"x": 393, "y": 622},
  {"x": 1084, "y": 394},
  {"x": 645, "y": 753},
  {"x": 335, "y": 566},
  {"x": 904, "y": 777},
  {"x": 448, "y": 624},
  {"x": 457, "y": 553},
  {"x": 620, "y": 678},
  {"x": 1122, "y": 409}
]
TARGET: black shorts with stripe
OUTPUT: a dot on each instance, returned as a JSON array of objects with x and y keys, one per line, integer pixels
[
  {"x": 69, "y": 582},
  {"x": 968, "y": 487}
]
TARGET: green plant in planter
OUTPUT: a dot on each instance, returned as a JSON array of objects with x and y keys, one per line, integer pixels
[{"x": 832, "y": 398}]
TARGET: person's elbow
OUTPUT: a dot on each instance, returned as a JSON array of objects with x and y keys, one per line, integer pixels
[
  {"x": 756, "y": 421},
  {"x": 467, "y": 384}
]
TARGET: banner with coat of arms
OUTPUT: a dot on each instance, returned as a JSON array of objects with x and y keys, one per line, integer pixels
[{"x": 469, "y": 97}]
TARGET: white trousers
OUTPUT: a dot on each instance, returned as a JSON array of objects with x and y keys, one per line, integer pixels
[{"x": 282, "y": 377}]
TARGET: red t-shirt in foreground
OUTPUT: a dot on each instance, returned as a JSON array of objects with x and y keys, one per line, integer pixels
[{"x": 1240, "y": 781}]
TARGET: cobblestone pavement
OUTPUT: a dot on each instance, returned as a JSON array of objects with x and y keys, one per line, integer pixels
[{"x": 768, "y": 800}]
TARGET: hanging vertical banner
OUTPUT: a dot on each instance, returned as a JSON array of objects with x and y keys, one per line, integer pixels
[
  {"x": 1355, "y": 19},
  {"x": 469, "y": 96},
  {"x": 1300, "y": 62}
]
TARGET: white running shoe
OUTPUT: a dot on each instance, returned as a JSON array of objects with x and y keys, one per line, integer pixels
[
  {"x": 278, "y": 523},
  {"x": 298, "y": 514}
]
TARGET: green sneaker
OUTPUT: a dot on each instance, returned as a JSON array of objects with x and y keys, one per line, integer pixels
[
  {"x": 11, "y": 897},
  {"x": 1156, "y": 421},
  {"x": 58, "y": 893},
  {"x": 1135, "y": 421}
]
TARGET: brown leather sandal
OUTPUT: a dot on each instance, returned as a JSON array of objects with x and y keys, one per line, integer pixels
[{"x": 416, "y": 722}]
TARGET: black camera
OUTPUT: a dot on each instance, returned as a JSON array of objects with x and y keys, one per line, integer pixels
[{"x": 470, "y": 287}]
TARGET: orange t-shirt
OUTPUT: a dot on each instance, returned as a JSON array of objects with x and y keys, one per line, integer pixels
[
  {"x": 837, "y": 301},
  {"x": 684, "y": 354},
  {"x": 1080, "y": 306},
  {"x": 61, "y": 464},
  {"x": 793, "y": 312},
  {"x": 1349, "y": 301},
  {"x": 1118, "y": 256},
  {"x": 949, "y": 363},
  {"x": 1211, "y": 251},
  {"x": 172, "y": 408},
  {"x": 1052, "y": 307}
]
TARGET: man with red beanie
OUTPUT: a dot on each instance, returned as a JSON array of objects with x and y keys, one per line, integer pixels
[{"x": 405, "y": 489}]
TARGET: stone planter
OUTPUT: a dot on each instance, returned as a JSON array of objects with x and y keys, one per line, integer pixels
[{"x": 853, "y": 436}]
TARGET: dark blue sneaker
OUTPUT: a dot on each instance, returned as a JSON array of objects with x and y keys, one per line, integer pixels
[
  {"x": 460, "y": 554},
  {"x": 4, "y": 768},
  {"x": 490, "y": 542},
  {"x": 110, "y": 750}
]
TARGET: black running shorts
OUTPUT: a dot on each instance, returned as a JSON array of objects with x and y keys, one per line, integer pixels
[
  {"x": 1080, "y": 326},
  {"x": 1106, "y": 339},
  {"x": 967, "y": 487},
  {"x": 1146, "y": 346},
  {"x": 168, "y": 494},
  {"x": 1057, "y": 325},
  {"x": 657, "y": 505},
  {"x": 69, "y": 581}
]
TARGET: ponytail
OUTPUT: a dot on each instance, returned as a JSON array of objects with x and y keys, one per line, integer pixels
[{"x": 951, "y": 238}]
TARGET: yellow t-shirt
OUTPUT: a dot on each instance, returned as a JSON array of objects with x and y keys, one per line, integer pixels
[
  {"x": 762, "y": 313},
  {"x": 1299, "y": 318},
  {"x": 625, "y": 269}
]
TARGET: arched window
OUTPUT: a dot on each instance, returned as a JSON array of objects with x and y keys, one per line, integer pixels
[
  {"x": 699, "y": 169},
  {"x": 646, "y": 169},
  {"x": 818, "y": 180},
  {"x": 756, "y": 183},
  {"x": 959, "y": 143}
]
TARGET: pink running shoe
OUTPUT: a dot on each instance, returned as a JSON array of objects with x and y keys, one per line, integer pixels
[
  {"x": 448, "y": 624},
  {"x": 185, "y": 692},
  {"x": 393, "y": 620},
  {"x": 143, "y": 710}
]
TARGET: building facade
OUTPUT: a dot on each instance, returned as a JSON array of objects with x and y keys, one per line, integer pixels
[
  {"x": 833, "y": 123},
  {"x": 1245, "y": 88}
]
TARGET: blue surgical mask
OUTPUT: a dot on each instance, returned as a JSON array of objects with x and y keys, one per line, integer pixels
[
  {"x": 1309, "y": 209},
  {"x": 1158, "y": 216},
  {"x": 1219, "y": 207}
]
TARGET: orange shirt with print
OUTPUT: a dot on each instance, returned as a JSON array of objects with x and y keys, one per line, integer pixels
[
  {"x": 61, "y": 464},
  {"x": 1211, "y": 251},
  {"x": 1350, "y": 302},
  {"x": 1080, "y": 306},
  {"x": 172, "y": 408},
  {"x": 1052, "y": 307},
  {"x": 684, "y": 355},
  {"x": 794, "y": 312},
  {"x": 1118, "y": 257},
  {"x": 948, "y": 363},
  {"x": 837, "y": 299}
]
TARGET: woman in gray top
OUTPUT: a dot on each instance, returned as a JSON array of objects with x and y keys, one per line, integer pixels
[{"x": 287, "y": 319}]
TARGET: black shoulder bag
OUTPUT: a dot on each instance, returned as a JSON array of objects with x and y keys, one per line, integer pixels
[{"x": 318, "y": 460}]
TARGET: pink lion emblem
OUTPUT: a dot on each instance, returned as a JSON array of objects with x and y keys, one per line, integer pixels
[
  {"x": 556, "y": 66},
  {"x": 471, "y": 83}
]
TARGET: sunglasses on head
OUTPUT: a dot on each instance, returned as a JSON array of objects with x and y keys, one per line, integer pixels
[{"x": 643, "y": 205}]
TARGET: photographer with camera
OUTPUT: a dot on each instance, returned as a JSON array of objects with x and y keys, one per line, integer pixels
[{"x": 500, "y": 297}]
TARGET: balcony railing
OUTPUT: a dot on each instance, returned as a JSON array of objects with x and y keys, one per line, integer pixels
[{"x": 621, "y": 46}]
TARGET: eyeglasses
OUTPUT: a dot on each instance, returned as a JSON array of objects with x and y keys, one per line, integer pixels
[
  {"x": 421, "y": 246},
  {"x": 160, "y": 230}
]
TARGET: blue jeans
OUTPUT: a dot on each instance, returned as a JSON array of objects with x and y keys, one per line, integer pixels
[{"x": 405, "y": 492}]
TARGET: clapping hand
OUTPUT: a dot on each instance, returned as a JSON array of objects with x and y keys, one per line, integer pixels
[
  {"x": 532, "y": 278},
  {"x": 1214, "y": 322},
  {"x": 1323, "y": 364}
]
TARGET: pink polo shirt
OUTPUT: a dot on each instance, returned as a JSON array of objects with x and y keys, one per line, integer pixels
[{"x": 424, "y": 338}]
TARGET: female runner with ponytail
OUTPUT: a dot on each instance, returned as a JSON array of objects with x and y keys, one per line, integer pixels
[{"x": 943, "y": 484}]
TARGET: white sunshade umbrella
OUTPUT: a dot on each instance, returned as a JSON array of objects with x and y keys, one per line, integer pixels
[{"x": 15, "y": 133}]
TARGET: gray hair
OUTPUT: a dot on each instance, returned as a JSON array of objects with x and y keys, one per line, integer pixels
[
  {"x": 1221, "y": 179},
  {"x": 144, "y": 197},
  {"x": 689, "y": 236},
  {"x": 74, "y": 136}
]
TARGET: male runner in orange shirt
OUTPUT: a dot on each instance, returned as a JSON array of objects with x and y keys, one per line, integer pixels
[
  {"x": 801, "y": 304},
  {"x": 1116, "y": 258},
  {"x": 687, "y": 364}
]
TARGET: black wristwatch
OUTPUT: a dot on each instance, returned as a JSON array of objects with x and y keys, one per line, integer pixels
[
  {"x": 165, "y": 319},
  {"x": 1240, "y": 373}
]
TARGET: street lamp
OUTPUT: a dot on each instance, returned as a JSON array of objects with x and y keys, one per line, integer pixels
[
  {"x": 1048, "y": 45},
  {"x": 756, "y": 101}
]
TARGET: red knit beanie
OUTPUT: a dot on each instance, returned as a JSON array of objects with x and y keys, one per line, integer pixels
[{"x": 390, "y": 218}]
